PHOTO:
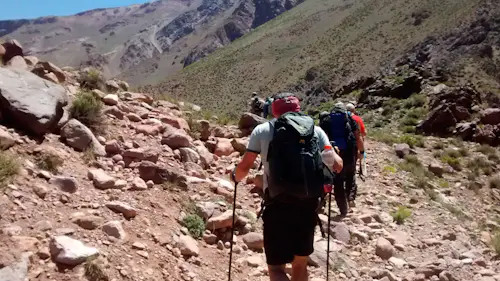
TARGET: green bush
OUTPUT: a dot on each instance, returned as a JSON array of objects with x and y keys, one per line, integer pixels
[
  {"x": 382, "y": 136},
  {"x": 412, "y": 165},
  {"x": 415, "y": 100},
  {"x": 91, "y": 79},
  {"x": 86, "y": 108},
  {"x": 194, "y": 224},
  {"x": 438, "y": 145},
  {"x": 389, "y": 170},
  {"x": 409, "y": 129},
  {"x": 412, "y": 140},
  {"x": 94, "y": 271},
  {"x": 9, "y": 167},
  {"x": 452, "y": 158},
  {"x": 480, "y": 164},
  {"x": 401, "y": 214},
  {"x": 490, "y": 152}
]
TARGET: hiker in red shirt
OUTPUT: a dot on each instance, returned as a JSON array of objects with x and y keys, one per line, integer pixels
[{"x": 351, "y": 108}]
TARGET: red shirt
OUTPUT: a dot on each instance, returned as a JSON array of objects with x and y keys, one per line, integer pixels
[{"x": 361, "y": 124}]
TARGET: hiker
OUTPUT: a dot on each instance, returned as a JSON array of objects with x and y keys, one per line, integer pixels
[
  {"x": 343, "y": 130},
  {"x": 256, "y": 104},
  {"x": 267, "y": 105},
  {"x": 290, "y": 147},
  {"x": 361, "y": 125}
]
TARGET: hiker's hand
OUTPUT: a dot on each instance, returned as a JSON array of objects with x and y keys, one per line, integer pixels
[
  {"x": 361, "y": 154},
  {"x": 338, "y": 165}
]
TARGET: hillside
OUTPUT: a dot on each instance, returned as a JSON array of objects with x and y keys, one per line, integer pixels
[
  {"x": 142, "y": 43},
  {"x": 321, "y": 45},
  {"x": 101, "y": 183}
]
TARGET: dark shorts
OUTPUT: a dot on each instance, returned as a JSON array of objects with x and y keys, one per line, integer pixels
[{"x": 288, "y": 231}]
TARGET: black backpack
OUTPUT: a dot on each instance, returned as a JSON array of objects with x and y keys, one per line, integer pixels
[
  {"x": 340, "y": 128},
  {"x": 294, "y": 156}
]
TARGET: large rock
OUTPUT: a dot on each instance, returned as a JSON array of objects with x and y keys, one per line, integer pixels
[
  {"x": 189, "y": 155},
  {"x": 114, "y": 229},
  {"x": 254, "y": 241},
  {"x": 248, "y": 121},
  {"x": 206, "y": 158},
  {"x": 224, "y": 220},
  {"x": 384, "y": 249},
  {"x": 122, "y": 208},
  {"x": 16, "y": 271},
  {"x": 176, "y": 122},
  {"x": 6, "y": 139},
  {"x": 486, "y": 134},
  {"x": 17, "y": 62},
  {"x": 402, "y": 150},
  {"x": 159, "y": 174},
  {"x": 176, "y": 139},
  {"x": 240, "y": 145},
  {"x": 188, "y": 246},
  {"x": 30, "y": 102},
  {"x": 68, "y": 251},
  {"x": 80, "y": 137},
  {"x": 465, "y": 130},
  {"x": 204, "y": 128},
  {"x": 194, "y": 170},
  {"x": 223, "y": 147},
  {"x": 340, "y": 231},
  {"x": 490, "y": 116},
  {"x": 100, "y": 179},
  {"x": 65, "y": 184},
  {"x": 31, "y": 60},
  {"x": 12, "y": 48},
  {"x": 88, "y": 222},
  {"x": 50, "y": 67}
]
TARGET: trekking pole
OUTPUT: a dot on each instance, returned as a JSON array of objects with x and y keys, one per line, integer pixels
[
  {"x": 232, "y": 228},
  {"x": 328, "y": 237}
]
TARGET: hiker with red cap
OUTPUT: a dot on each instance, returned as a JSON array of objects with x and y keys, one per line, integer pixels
[{"x": 292, "y": 151}]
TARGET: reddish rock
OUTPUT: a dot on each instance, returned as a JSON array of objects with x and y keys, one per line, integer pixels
[
  {"x": 176, "y": 122},
  {"x": 490, "y": 116},
  {"x": 176, "y": 139},
  {"x": 50, "y": 67},
  {"x": 223, "y": 147},
  {"x": 17, "y": 62}
]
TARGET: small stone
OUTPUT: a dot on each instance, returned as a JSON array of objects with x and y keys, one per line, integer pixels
[
  {"x": 100, "y": 179},
  {"x": 139, "y": 246},
  {"x": 69, "y": 251},
  {"x": 89, "y": 222},
  {"x": 254, "y": 261},
  {"x": 139, "y": 184},
  {"x": 220, "y": 245},
  {"x": 188, "y": 246},
  {"x": 110, "y": 99},
  {"x": 40, "y": 190},
  {"x": 384, "y": 249},
  {"x": 120, "y": 207},
  {"x": 114, "y": 229},
  {"x": 65, "y": 184},
  {"x": 254, "y": 241}
]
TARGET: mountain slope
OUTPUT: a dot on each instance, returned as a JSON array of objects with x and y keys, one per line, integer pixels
[
  {"x": 335, "y": 41},
  {"x": 143, "y": 42}
]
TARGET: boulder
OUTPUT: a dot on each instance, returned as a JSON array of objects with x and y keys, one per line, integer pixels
[
  {"x": 114, "y": 111},
  {"x": 223, "y": 147},
  {"x": 436, "y": 169},
  {"x": 204, "y": 128},
  {"x": 465, "y": 130},
  {"x": 340, "y": 231},
  {"x": 490, "y": 116},
  {"x": 248, "y": 121},
  {"x": 6, "y": 139},
  {"x": 69, "y": 251},
  {"x": 189, "y": 155},
  {"x": 112, "y": 86},
  {"x": 123, "y": 208},
  {"x": 17, "y": 62},
  {"x": 79, "y": 137},
  {"x": 224, "y": 220},
  {"x": 240, "y": 145},
  {"x": 206, "y": 158},
  {"x": 123, "y": 85},
  {"x": 176, "y": 139},
  {"x": 88, "y": 222},
  {"x": 110, "y": 99},
  {"x": 18, "y": 270},
  {"x": 402, "y": 150},
  {"x": 114, "y": 229},
  {"x": 254, "y": 241},
  {"x": 439, "y": 121},
  {"x": 50, "y": 76},
  {"x": 12, "y": 48},
  {"x": 29, "y": 101},
  {"x": 151, "y": 171},
  {"x": 50, "y": 67},
  {"x": 134, "y": 117},
  {"x": 139, "y": 184},
  {"x": 149, "y": 130},
  {"x": 207, "y": 210},
  {"x": 176, "y": 122},
  {"x": 112, "y": 147},
  {"x": 130, "y": 96},
  {"x": 188, "y": 246},
  {"x": 384, "y": 249},
  {"x": 100, "y": 179},
  {"x": 194, "y": 170},
  {"x": 65, "y": 184}
]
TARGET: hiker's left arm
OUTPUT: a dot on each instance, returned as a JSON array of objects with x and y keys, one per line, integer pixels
[
  {"x": 245, "y": 165},
  {"x": 359, "y": 141}
]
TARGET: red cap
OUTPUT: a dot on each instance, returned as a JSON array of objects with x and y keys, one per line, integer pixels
[{"x": 286, "y": 104}]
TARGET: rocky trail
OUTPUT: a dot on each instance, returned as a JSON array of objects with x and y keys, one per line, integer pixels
[{"x": 146, "y": 195}]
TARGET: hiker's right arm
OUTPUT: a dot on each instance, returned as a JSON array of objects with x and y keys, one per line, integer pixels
[
  {"x": 245, "y": 165},
  {"x": 360, "y": 143}
]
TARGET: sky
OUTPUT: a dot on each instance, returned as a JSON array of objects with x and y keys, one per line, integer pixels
[{"x": 28, "y": 9}]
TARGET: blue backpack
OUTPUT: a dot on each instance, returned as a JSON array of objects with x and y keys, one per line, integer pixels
[{"x": 341, "y": 128}]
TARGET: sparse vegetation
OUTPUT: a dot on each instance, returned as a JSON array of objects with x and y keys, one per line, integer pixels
[
  {"x": 480, "y": 165},
  {"x": 415, "y": 101},
  {"x": 443, "y": 183},
  {"x": 383, "y": 136},
  {"x": 89, "y": 155},
  {"x": 195, "y": 224},
  {"x": 86, "y": 108},
  {"x": 390, "y": 169},
  {"x": 490, "y": 152},
  {"x": 401, "y": 214},
  {"x": 94, "y": 271},
  {"x": 412, "y": 140},
  {"x": 49, "y": 162},
  {"x": 92, "y": 79},
  {"x": 452, "y": 158},
  {"x": 9, "y": 167},
  {"x": 438, "y": 145}
]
